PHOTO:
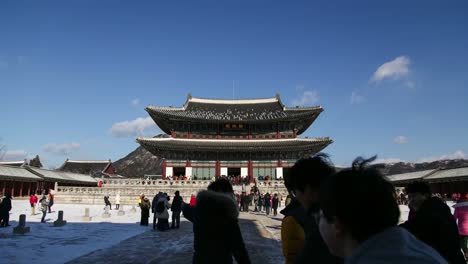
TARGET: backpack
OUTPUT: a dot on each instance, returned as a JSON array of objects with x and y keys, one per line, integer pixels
[{"x": 160, "y": 207}]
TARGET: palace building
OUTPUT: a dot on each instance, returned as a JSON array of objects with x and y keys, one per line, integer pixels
[{"x": 217, "y": 137}]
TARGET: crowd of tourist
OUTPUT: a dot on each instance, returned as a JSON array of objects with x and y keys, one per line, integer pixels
[{"x": 350, "y": 216}]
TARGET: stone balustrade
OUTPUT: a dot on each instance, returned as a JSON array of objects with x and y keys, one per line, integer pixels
[{"x": 130, "y": 189}]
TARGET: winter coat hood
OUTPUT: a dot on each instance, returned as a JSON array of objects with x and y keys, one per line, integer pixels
[
  {"x": 394, "y": 245},
  {"x": 216, "y": 206}
]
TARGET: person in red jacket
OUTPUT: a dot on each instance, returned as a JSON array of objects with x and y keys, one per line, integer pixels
[
  {"x": 193, "y": 201},
  {"x": 33, "y": 202}
]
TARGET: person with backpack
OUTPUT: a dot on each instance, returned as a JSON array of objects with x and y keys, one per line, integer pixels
[
  {"x": 162, "y": 214},
  {"x": 44, "y": 207},
  {"x": 107, "y": 202},
  {"x": 260, "y": 202},
  {"x": 217, "y": 236},
  {"x": 153, "y": 208},
  {"x": 176, "y": 208}
]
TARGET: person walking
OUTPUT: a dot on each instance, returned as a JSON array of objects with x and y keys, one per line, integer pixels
[
  {"x": 162, "y": 214},
  {"x": 44, "y": 207},
  {"x": 274, "y": 204},
  {"x": 267, "y": 201},
  {"x": 153, "y": 208},
  {"x": 255, "y": 200},
  {"x": 260, "y": 202},
  {"x": 5, "y": 207},
  {"x": 193, "y": 200},
  {"x": 107, "y": 202},
  {"x": 433, "y": 222},
  {"x": 145, "y": 206},
  {"x": 217, "y": 236},
  {"x": 117, "y": 201},
  {"x": 33, "y": 202},
  {"x": 51, "y": 200},
  {"x": 461, "y": 215},
  {"x": 176, "y": 208}
]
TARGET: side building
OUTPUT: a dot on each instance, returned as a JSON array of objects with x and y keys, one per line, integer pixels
[{"x": 251, "y": 138}]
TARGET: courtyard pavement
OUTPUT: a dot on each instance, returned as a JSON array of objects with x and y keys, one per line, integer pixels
[{"x": 261, "y": 235}]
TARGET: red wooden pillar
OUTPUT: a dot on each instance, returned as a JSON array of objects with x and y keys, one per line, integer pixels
[
  {"x": 250, "y": 170},
  {"x": 164, "y": 164},
  {"x": 21, "y": 190},
  {"x": 189, "y": 134},
  {"x": 218, "y": 168},
  {"x": 12, "y": 188},
  {"x": 294, "y": 133},
  {"x": 29, "y": 188},
  {"x": 188, "y": 163},
  {"x": 277, "y": 135}
]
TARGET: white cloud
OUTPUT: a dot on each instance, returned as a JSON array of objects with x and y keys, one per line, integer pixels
[
  {"x": 394, "y": 69},
  {"x": 356, "y": 99},
  {"x": 135, "y": 102},
  {"x": 61, "y": 149},
  {"x": 308, "y": 98},
  {"x": 459, "y": 154},
  {"x": 400, "y": 140},
  {"x": 12, "y": 155},
  {"x": 137, "y": 127}
]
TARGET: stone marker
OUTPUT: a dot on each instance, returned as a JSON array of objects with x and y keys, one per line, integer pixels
[
  {"x": 21, "y": 228},
  {"x": 133, "y": 210},
  {"x": 121, "y": 211},
  {"x": 86, "y": 217},
  {"x": 106, "y": 214},
  {"x": 60, "y": 221}
]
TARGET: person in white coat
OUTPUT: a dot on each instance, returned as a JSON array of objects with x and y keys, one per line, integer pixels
[{"x": 117, "y": 201}]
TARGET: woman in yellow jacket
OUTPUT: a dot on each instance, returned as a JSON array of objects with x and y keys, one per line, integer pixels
[{"x": 292, "y": 230}]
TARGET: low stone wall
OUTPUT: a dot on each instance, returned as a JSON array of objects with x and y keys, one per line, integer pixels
[{"x": 130, "y": 189}]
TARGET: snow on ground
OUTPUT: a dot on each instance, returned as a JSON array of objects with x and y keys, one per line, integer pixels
[{"x": 48, "y": 244}]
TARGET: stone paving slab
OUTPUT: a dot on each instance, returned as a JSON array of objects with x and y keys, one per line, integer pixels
[{"x": 176, "y": 246}]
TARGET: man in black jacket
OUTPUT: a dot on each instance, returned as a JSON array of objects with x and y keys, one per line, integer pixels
[
  {"x": 433, "y": 222},
  {"x": 217, "y": 236},
  {"x": 304, "y": 182},
  {"x": 5, "y": 208},
  {"x": 176, "y": 208}
]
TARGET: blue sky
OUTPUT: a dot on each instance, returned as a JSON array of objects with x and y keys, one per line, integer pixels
[{"x": 392, "y": 76}]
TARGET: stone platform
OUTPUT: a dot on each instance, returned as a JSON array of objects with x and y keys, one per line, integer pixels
[{"x": 130, "y": 189}]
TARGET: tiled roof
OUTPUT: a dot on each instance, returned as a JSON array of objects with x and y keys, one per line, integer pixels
[
  {"x": 247, "y": 111},
  {"x": 79, "y": 177},
  {"x": 50, "y": 175},
  {"x": 13, "y": 163},
  {"x": 88, "y": 167},
  {"x": 296, "y": 144},
  {"x": 17, "y": 173},
  {"x": 418, "y": 175},
  {"x": 448, "y": 173}
]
